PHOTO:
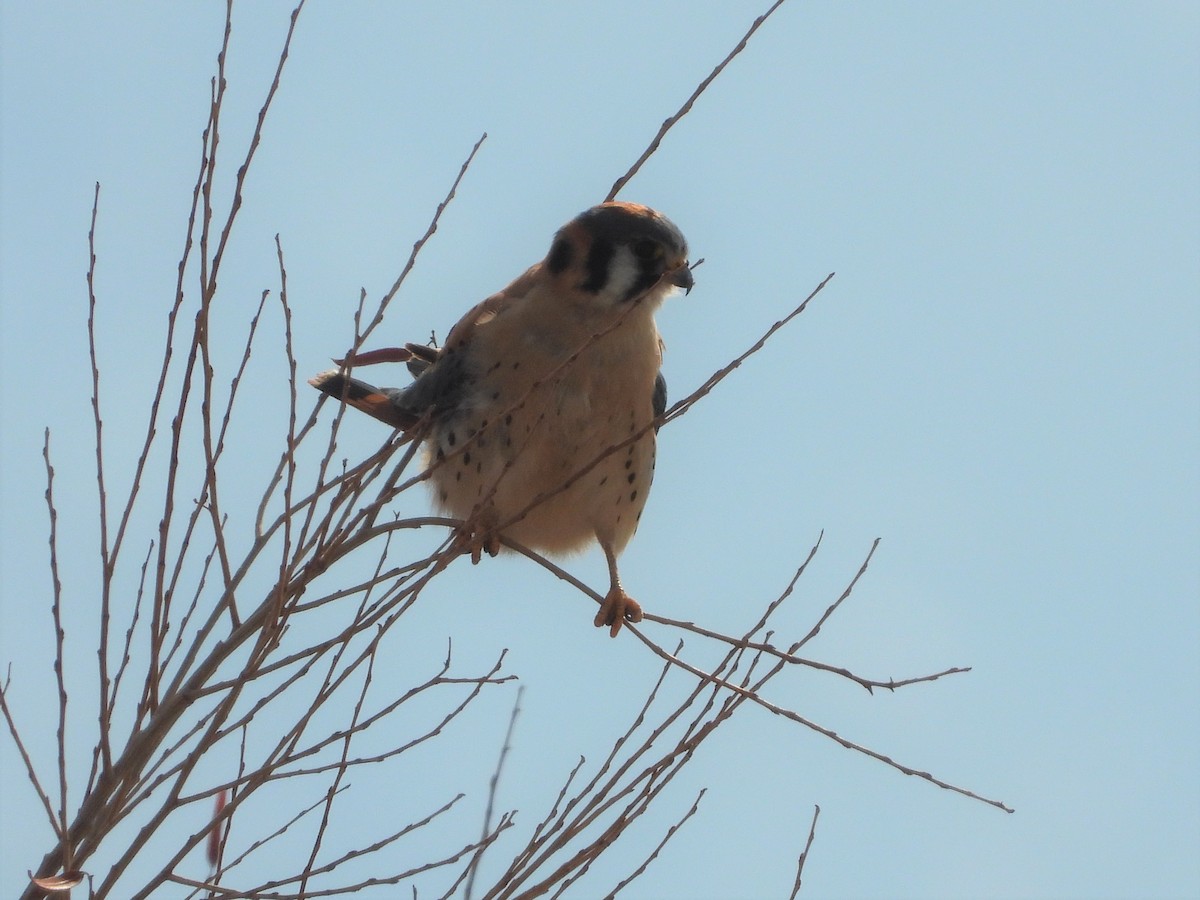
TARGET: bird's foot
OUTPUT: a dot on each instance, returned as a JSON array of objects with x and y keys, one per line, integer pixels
[
  {"x": 470, "y": 538},
  {"x": 477, "y": 533},
  {"x": 618, "y": 607}
]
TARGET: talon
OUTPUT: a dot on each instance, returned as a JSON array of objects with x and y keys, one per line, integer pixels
[
  {"x": 618, "y": 607},
  {"x": 476, "y": 541}
]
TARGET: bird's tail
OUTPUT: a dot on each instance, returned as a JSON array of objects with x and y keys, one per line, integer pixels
[{"x": 379, "y": 403}]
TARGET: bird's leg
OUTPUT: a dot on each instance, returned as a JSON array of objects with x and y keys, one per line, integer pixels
[
  {"x": 478, "y": 533},
  {"x": 618, "y": 607}
]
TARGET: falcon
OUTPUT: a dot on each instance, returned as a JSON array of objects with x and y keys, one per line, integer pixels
[{"x": 540, "y": 410}]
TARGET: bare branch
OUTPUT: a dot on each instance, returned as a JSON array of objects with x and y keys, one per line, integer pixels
[
  {"x": 104, "y": 703},
  {"x": 812, "y": 833},
  {"x": 816, "y": 629},
  {"x": 30, "y": 769},
  {"x": 658, "y": 848},
  {"x": 683, "y": 110},
  {"x": 493, "y": 786},
  {"x": 59, "y": 659},
  {"x": 362, "y": 335},
  {"x": 800, "y": 720}
]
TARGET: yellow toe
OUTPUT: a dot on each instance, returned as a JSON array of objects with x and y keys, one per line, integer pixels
[{"x": 618, "y": 607}]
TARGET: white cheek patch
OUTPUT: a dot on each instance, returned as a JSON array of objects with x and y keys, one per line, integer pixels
[{"x": 623, "y": 273}]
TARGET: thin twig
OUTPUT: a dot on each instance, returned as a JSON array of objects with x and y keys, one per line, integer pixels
[
  {"x": 59, "y": 659},
  {"x": 683, "y": 110},
  {"x": 30, "y": 769},
  {"x": 416, "y": 248},
  {"x": 493, "y": 786},
  {"x": 816, "y": 629},
  {"x": 658, "y": 849},
  {"x": 104, "y": 704},
  {"x": 340, "y": 774},
  {"x": 812, "y": 833},
  {"x": 829, "y": 733}
]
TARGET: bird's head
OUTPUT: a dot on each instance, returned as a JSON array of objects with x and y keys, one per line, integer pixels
[{"x": 620, "y": 253}]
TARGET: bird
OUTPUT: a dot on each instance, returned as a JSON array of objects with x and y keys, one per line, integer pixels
[{"x": 539, "y": 411}]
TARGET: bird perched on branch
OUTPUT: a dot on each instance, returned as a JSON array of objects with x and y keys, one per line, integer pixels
[{"x": 541, "y": 405}]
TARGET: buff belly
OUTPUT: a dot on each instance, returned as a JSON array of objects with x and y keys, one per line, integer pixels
[{"x": 494, "y": 468}]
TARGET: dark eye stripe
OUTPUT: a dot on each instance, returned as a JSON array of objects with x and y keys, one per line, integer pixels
[
  {"x": 560, "y": 256},
  {"x": 645, "y": 280},
  {"x": 647, "y": 250},
  {"x": 598, "y": 259}
]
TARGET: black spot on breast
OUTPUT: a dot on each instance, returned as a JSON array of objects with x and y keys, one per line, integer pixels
[
  {"x": 633, "y": 495},
  {"x": 603, "y": 481},
  {"x": 630, "y": 477},
  {"x": 451, "y": 438},
  {"x": 445, "y": 495},
  {"x": 628, "y": 463},
  {"x": 467, "y": 458}
]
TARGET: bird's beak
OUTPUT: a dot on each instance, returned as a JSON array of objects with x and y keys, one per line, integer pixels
[{"x": 682, "y": 277}]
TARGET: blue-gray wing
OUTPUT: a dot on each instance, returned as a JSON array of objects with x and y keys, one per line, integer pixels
[
  {"x": 442, "y": 375},
  {"x": 659, "y": 400},
  {"x": 439, "y": 385}
]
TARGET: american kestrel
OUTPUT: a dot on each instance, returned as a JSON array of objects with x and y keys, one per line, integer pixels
[{"x": 540, "y": 403}]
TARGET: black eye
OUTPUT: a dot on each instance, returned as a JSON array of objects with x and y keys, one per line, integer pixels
[{"x": 647, "y": 250}]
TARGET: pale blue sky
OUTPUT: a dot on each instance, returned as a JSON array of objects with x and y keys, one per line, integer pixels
[{"x": 1002, "y": 382}]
